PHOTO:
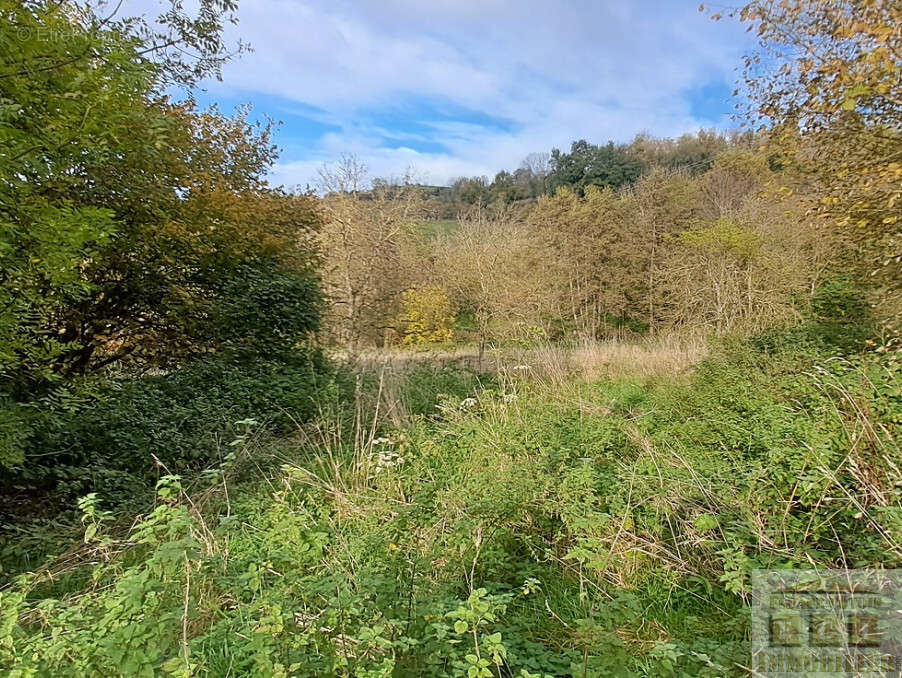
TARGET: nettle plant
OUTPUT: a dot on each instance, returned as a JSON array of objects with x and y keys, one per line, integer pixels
[
  {"x": 470, "y": 625},
  {"x": 131, "y": 620}
]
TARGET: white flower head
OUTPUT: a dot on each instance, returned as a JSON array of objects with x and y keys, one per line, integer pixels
[{"x": 386, "y": 459}]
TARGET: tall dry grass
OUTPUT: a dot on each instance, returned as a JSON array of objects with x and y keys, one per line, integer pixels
[
  {"x": 666, "y": 355},
  {"x": 397, "y": 358},
  {"x": 660, "y": 356}
]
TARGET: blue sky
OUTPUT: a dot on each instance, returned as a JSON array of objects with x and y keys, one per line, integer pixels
[{"x": 461, "y": 87}]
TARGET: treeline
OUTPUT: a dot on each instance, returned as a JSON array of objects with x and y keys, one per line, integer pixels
[
  {"x": 708, "y": 232},
  {"x": 607, "y": 165},
  {"x": 721, "y": 245}
]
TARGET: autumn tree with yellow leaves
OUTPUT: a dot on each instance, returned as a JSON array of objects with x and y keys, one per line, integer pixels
[
  {"x": 428, "y": 317},
  {"x": 828, "y": 77}
]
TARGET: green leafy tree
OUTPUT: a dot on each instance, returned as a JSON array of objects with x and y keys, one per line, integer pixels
[
  {"x": 133, "y": 230},
  {"x": 590, "y": 165}
]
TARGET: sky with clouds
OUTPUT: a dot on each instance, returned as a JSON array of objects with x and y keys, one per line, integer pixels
[{"x": 469, "y": 87}]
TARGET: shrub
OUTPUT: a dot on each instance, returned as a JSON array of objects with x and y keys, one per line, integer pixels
[
  {"x": 427, "y": 317},
  {"x": 184, "y": 418}
]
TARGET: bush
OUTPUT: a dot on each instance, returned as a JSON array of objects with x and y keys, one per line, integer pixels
[
  {"x": 428, "y": 317},
  {"x": 424, "y": 387},
  {"x": 841, "y": 314},
  {"x": 185, "y": 419}
]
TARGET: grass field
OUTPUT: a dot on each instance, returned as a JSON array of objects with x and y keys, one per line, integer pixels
[{"x": 437, "y": 227}]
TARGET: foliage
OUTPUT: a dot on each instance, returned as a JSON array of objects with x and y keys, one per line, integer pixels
[
  {"x": 367, "y": 240},
  {"x": 484, "y": 265},
  {"x": 723, "y": 237},
  {"x": 741, "y": 274},
  {"x": 827, "y": 76},
  {"x": 694, "y": 153},
  {"x": 596, "y": 272},
  {"x": 427, "y": 317},
  {"x": 134, "y": 231},
  {"x": 583, "y": 262},
  {"x": 590, "y": 528},
  {"x": 424, "y": 388},
  {"x": 719, "y": 251},
  {"x": 116, "y": 438},
  {"x": 590, "y": 165}
]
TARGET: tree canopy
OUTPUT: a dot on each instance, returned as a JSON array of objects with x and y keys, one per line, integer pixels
[
  {"x": 133, "y": 228},
  {"x": 827, "y": 78}
]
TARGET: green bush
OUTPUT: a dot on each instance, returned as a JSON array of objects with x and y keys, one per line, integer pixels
[
  {"x": 185, "y": 419},
  {"x": 841, "y": 314},
  {"x": 426, "y": 386}
]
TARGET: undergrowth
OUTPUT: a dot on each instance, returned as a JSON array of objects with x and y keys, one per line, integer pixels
[{"x": 513, "y": 526}]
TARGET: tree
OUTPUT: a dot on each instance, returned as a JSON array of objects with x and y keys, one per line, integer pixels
[
  {"x": 692, "y": 153},
  {"x": 131, "y": 225},
  {"x": 538, "y": 164},
  {"x": 485, "y": 266},
  {"x": 665, "y": 203},
  {"x": 347, "y": 175},
  {"x": 367, "y": 231},
  {"x": 743, "y": 273},
  {"x": 590, "y": 255},
  {"x": 471, "y": 190},
  {"x": 427, "y": 316},
  {"x": 528, "y": 184},
  {"x": 590, "y": 165},
  {"x": 182, "y": 47},
  {"x": 734, "y": 176},
  {"x": 826, "y": 75}
]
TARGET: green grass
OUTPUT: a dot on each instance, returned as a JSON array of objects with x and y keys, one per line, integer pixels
[
  {"x": 437, "y": 227},
  {"x": 510, "y": 527}
]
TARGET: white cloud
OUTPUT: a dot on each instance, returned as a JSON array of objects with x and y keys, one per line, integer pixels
[{"x": 556, "y": 70}]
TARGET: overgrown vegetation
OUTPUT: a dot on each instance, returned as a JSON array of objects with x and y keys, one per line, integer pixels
[
  {"x": 250, "y": 432},
  {"x": 537, "y": 526},
  {"x": 146, "y": 264}
]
